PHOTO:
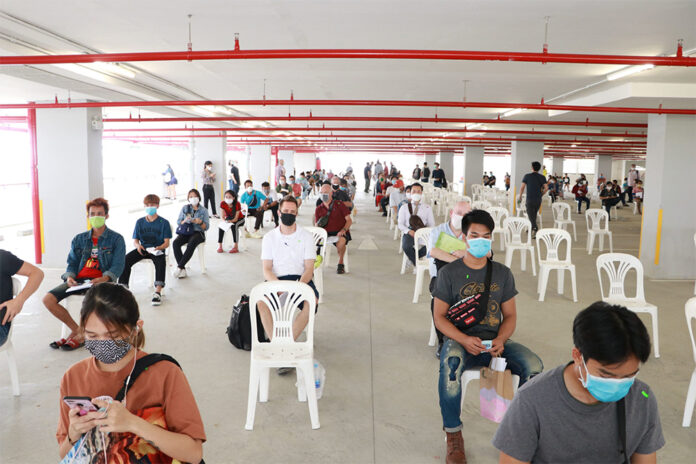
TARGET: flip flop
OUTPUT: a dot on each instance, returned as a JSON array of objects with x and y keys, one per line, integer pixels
[
  {"x": 71, "y": 344},
  {"x": 57, "y": 344}
]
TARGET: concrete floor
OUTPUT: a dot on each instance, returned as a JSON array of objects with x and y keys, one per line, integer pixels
[{"x": 380, "y": 403}]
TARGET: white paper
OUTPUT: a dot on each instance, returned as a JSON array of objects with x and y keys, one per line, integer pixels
[
  {"x": 333, "y": 239},
  {"x": 154, "y": 251},
  {"x": 76, "y": 288},
  {"x": 225, "y": 226}
]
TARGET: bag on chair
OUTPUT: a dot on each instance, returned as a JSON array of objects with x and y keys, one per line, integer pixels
[
  {"x": 186, "y": 228},
  {"x": 414, "y": 221},
  {"x": 495, "y": 394},
  {"x": 239, "y": 330}
]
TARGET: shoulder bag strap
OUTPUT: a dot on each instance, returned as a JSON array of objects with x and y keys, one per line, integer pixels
[
  {"x": 141, "y": 366},
  {"x": 410, "y": 208},
  {"x": 621, "y": 413}
]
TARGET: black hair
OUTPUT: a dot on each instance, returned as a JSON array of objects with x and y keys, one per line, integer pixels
[
  {"x": 610, "y": 334},
  {"x": 344, "y": 182},
  {"x": 194, "y": 191},
  {"x": 477, "y": 216},
  {"x": 116, "y": 307},
  {"x": 265, "y": 184},
  {"x": 208, "y": 163},
  {"x": 408, "y": 187},
  {"x": 232, "y": 193},
  {"x": 536, "y": 166},
  {"x": 248, "y": 181},
  {"x": 326, "y": 182},
  {"x": 416, "y": 184}
]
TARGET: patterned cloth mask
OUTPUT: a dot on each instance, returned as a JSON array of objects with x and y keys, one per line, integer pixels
[{"x": 108, "y": 351}]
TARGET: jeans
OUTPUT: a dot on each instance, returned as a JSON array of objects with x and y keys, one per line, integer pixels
[
  {"x": 532, "y": 211},
  {"x": 367, "y": 184},
  {"x": 234, "y": 229},
  {"x": 4, "y": 330},
  {"x": 384, "y": 204},
  {"x": 629, "y": 190},
  {"x": 608, "y": 203},
  {"x": 454, "y": 359},
  {"x": 407, "y": 246},
  {"x": 191, "y": 242},
  {"x": 133, "y": 257},
  {"x": 209, "y": 198},
  {"x": 234, "y": 187},
  {"x": 258, "y": 214},
  {"x": 582, "y": 200}
]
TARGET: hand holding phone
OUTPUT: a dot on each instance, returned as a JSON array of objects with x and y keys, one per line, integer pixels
[{"x": 82, "y": 402}]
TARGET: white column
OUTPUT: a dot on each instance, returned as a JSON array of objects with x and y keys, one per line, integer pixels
[
  {"x": 211, "y": 149},
  {"x": 473, "y": 168},
  {"x": 288, "y": 157},
  {"x": 619, "y": 170},
  {"x": 70, "y": 165},
  {"x": 447, "y": 165},
  {"x": 669, "y": 218},
  {"x": 305, "y": 162},
  {"x": 522, "y": 154},
  {"x": 602, "y": 166},
  {"x": 260, "y": 164},
  {"x": 556, "y": 167}
]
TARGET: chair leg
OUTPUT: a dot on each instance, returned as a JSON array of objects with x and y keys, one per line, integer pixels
[
  {"x": 656, "y": 333},
  {"x": 690, "y": 401},
  {"x": 561, "y": 274},
  {"x": 264, "y": 380},
  {"x": 201, "y": 258},
  {"x": 403, "y": 264},
  {"x": 308, "y": 373},
  {"x": 346, "y": 262},
  {"x": 12, "y": 364},
  {"x": 327, "y": 258},
  {"x": 601, "y": 242},
  {"x": 590, "y": 242},
  {"x": 574, "y": 283},
  {"x": 433, "y": 334},
  {"x": 253, "y": 394},
  {"x": 531, "y": 258},
  {"x": 611, "y": 243},
  {"x": 419, "y": 284},
  {"x": 575, "y": 232},
  {"x": 508, "y": 257},
  {"x": 543, "y": 282},
  {"x": 319, "y": 281}
]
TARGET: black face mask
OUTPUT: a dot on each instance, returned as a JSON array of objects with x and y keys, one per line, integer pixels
[
  {"x": 287, "y": 219},
  {"x": 335, "y": 187}
]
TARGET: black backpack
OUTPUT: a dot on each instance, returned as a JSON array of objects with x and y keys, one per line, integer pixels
[{"x": 239, "y": 330}]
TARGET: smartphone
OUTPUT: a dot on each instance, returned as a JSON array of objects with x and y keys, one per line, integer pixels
[
  {"x": 82, "y": 402},
  {"x": 488, "y": 344}
]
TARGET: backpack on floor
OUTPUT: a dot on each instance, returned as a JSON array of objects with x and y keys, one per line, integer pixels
[{"x": 239, "y": 330}]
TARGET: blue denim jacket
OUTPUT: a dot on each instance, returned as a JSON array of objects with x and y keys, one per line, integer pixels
[
  {"x": 112, "y": 254},
  {"x": 201, "y": 213}
]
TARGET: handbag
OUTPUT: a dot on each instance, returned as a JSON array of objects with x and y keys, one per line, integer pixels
[
  {"x": 471, "y": 310},
  {"x": 186, "y": 228},
  {"x": 324, "y": 220},
  {"x": 495, "y": 390},
  {"x": 414, "y": 221}
]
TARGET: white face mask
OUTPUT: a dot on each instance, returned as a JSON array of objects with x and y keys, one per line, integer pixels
[
  {"x": 416, "y": 197},
  {"x": 228, "y": 200},
  {"x": 408, "y": 196},
  {"x": 249, "y": 189},
  {"x": 457, "y": 221},
  {"x": 194, "y": 201}
]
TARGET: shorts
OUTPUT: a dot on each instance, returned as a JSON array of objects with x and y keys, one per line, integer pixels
[
  {"x": 334, "y": 234},
  {"x": 61, "y": 291},
  {"x": 310, "y": 283}
]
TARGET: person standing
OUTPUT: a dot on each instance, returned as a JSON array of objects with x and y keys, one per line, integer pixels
[
  {"x": 170, "y": 182},
  {"x": 507, "y": 181},
  {"x": 535, "y": 185},
  {"x": 416, "y": 173},
  {"x": 208, "y": 176},
  {"x": 426, "y": 172},
  {"x": 438, "y": 176},
  {"x": 234, "y": 177},
  {"x": 367, "y": 172},
  {"x": 633, "y": 176},
  {"x": 280, "y": 170},
  {"x": 378, "y": 169}
]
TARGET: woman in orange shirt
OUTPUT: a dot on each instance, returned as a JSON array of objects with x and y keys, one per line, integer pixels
[{"x": 157, "y": 416}]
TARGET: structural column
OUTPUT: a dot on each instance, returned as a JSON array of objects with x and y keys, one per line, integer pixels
[
  {"x": 70, "y": 171},
  {"x": 430, "y": 159},
  {"x": 522, "y": 155},
  {"x": 447, "y": 165},
  {"x": 473, "y": 168},
  {"x": 602, "y": 167},
  {"x": 667, "y": 248},
  {"x": 288, "y": 157},
  {"x": 556, "y": 167},
  {"x": 211, "y": 149},
  {"x": 304, "y": 161},
  {"x": 260, "y": 164}
]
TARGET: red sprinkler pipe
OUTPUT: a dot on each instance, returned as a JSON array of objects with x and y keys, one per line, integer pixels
[
  {"x": 396, "y": 103},
  {"x": 13, "y": 119},
  {"x": 380, "y": 119},
  {"x": 35, "y": 204},
  {"x": 459, "y": 55}
]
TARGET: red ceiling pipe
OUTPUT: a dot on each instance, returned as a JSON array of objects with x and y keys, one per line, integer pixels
[
  {"x": 464, "y": 55},
  {"x": 396, "y": 103},
  {"x": 35, "y": 204},
  {"x": 13, "y": 119},
  {"x": 381, "y": 119},
  {"x": 373, "y": 129}
]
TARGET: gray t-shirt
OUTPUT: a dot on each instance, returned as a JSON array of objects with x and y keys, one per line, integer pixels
[
  {"x": 457, "y": 280},
  {"x": 534, "y": 182},
  {"x": 545, "y": 424}
]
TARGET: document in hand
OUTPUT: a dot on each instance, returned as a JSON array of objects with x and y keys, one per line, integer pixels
[
  {"x": 154, "y": 252},
  {"x": 77, "y": 288},
  {"x": 447, "y": 243}
]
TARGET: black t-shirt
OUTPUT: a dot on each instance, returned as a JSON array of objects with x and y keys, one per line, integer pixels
[
  {"x": 535, "y": 182},
  {"x": 235, "y": 173},
  {"x": 426, "y": 173},
  {"x": 367, "y": 171},
  {"x": 9, "y": 266},
  {"x": 438, "y": 175},
  {"x": 611, "y": 193}
]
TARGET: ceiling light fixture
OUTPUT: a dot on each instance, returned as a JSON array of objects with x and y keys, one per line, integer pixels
[{"x": 629, "y": 70}]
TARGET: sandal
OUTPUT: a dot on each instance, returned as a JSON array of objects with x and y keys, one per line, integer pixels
[
  {"x": 72, "y": 344},
  {"x": 57, "y": 344}
]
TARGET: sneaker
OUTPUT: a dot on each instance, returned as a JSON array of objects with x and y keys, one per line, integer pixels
[
  {"x": 341, "y": 269},
  {"x": 156, "y": 299},
  {"x": 182, "y": 274},
  {"x": 235, "y": 249},
  {"x": 284, "y": 370},
  {"x": 219, "y": 250},
  {"x": 247, "y": 234},
  {"x": 256, "y": 234}
]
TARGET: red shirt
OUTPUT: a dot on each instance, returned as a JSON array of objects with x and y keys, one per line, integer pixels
[
  {"x": 227, "y": 210},
  {"x": 337, "y": 220},
  {"x": 91, "y": 270}
]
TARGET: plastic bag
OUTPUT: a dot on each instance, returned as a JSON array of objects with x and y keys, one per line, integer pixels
[
  {"x": 496, "y": 392},
  {"x": 319, "y": 379}
]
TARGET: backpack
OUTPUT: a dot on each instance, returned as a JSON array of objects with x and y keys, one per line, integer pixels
[{"x": 239, "y": 330}]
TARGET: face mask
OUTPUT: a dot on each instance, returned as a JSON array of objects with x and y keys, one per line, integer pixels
[
  {"x": 209, "y": 168},
  {"x": 325, "y": 197},
  {"x": 479, "y": 247},
  {"x": 194, "y": 201},
  {"x": 266, "y": 192},
  {"x": 457, "y": 221},
  {"x": 249, "y": 189},
  {"x": 344, "y": 188},
  {"x": 416, "y": 197},
  {"x": 229, "y": 200},
  {"x": 287, "y": 219},
  {"x": 151, "y": 210},
  {"x": 606, "y": 390},
  {"x": 283, "y": 183},
  {"x": 334, "y": 186},
  {"x": 408, "y": 196},
  {"x": 108, "y": 351},
  {"x": 97, "y": 222}
]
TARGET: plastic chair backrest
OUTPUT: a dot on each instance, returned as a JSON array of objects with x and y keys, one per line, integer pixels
[
  {"x": 320, "y": 236},
  {"x": 284, "y": 298},
  {"x": 553, "y": 239},
  {"x": 561, "y": 211},
  {"x": 16, "y": 287},
  {"x": 480, "y": 204},
  {"x": 498, "y": 214},
  {"x": 617, "y": 266},
  {"x": 514, "y": 227},
  {"x": 690, "y": 310},
  {"x": 422, "y": 236},
  {"x": 594, "y": 218},
  {"x": 468, "y": 200}
]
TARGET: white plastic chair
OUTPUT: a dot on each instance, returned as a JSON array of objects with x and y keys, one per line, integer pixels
[
  {"x": 562, "y": 217},
  {"x": 617, "y": 266},
  {"x": 73, "y": 304},
  {"x": 389, "y": 217},
  {"x": 320, "y": 237},
  {"x": 481, "y": 204},
  {"x": 594, "y": 218},
  {"x": 475, "y": 374},
  {"x": 420, "y": 238},
  {"x": 327, "y": 259},
  {"x": 553, "y": 239},
  {"x": 499, "y": 214},
  {"x": 8, "y": 348},
  {"x": 690, "y": 310},
  {"x": 515, "y": 228},
  {"x": 433, "y": 334},
  {"x": 694, "y": 282},
  {"x": 284, "y": 299}
]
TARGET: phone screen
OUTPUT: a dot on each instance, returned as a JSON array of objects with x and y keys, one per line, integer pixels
[{"x": 82, "y": 402}]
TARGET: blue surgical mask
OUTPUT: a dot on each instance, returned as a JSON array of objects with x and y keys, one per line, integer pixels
[
  {"x": 151, "y": 210},
  {"x": 606, "y": 390},
  {"x": 479, "y": 247}
]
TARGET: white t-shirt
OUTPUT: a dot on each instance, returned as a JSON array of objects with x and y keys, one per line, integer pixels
[{"x": 288, "y": 252}]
